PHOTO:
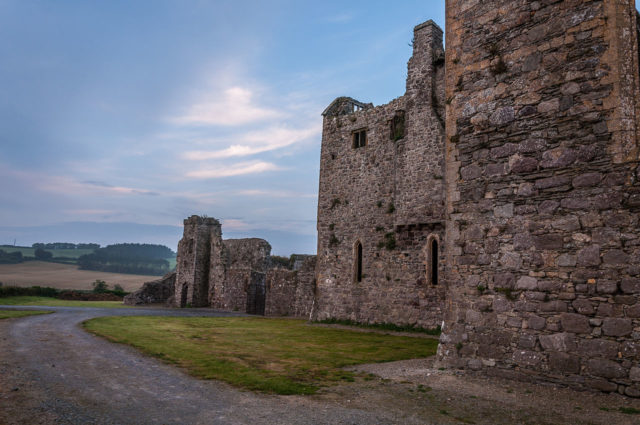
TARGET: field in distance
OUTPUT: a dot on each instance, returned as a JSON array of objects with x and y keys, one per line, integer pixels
[{"x": 65, "y": 276}]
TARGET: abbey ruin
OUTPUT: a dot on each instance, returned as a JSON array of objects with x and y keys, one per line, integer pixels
[{"x": 500, "y": 197}]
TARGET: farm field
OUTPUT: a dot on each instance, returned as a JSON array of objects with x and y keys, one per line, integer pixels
[{"x": 65, "y": 276}]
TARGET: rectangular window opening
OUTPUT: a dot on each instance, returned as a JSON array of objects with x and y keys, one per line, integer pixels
[{"x": 359, "y": 139}]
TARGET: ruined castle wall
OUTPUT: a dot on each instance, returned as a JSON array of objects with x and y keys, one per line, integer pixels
[
  {"x": 290, "y": 292},
  {"x": 245, "y": 260},
  {"x": 193, "y": 260},
  {"x": 306, "y": 287},
  {"x": 542, "y": 239},
  {"x": 378, "y": 195},
  {"x": 281, "y": 291}
]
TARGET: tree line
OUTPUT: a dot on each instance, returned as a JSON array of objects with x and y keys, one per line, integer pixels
[
  {"x": 65, "y": 245},
  {"x": 130, "y": 258}
]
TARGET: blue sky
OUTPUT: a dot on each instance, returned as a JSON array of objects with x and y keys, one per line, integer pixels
[{"x": 150, "y": 111}]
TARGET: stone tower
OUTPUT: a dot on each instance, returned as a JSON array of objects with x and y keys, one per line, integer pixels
[
  {"x": 543, "y": 199},
  {"x": 381, "y": 199},
  {"x": 199, "y": 261}
]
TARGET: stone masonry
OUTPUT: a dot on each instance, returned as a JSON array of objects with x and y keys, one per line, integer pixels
[
  {"x": 543, "y": 192},
  {"x": 502, "y": 198},
  {"x": 237, "y": 274},
  {"x": 381, "y": 199}
]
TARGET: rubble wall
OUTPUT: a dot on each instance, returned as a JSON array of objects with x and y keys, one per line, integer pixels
[{"x": 542, "y": 240}]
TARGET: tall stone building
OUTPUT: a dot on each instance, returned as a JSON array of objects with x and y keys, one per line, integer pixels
[
  {"x": 543, "y": 195},
  {"x": 381, "y": 200}
]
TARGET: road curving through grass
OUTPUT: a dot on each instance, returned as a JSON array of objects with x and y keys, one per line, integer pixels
[{"x": 282, "y": 356}]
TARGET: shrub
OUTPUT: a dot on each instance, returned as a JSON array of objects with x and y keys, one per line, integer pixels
[{"x": 100, "y": 286}]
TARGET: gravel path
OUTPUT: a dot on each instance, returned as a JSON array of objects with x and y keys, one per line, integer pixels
[{"x": 53, "y": 372}]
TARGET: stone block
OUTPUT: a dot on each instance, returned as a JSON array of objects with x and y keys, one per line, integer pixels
[
  {"x": 630, "y": 285},
  {"x": 615, "y": 256},
  {"x": 555, "y": 306},
  {"x": 504, "y": 280},
  {"x": 548, "y": 207},
  {"x": 559, "y": 157},
  {"x": 502, "y": 116},
  {"x": 587, "y": 180},
  {"x": 575, "y": 323},
  {"x": 583, "y": 306},
  {"x": 536, "y": 322},
  {"x": 527, "y": 283},
  {"x": 549, "y": 242},
  {"x": 527, "y": 358},
  {"x": 616, "y": 326},
  {"x": 606, "y": 287},
  {"x": 527, "y": 341},
  {"x": 564, "y": 363},
  {"x": 589, "y": 256},
  {"x": 551, "y": 182},
  {"x": 601, "y": 385},
  {"x": 633, "y": 311},
  {"x": 598, "y": 347},
  {"x": 634, "y": 374},
  {"x": 504, "y": 211},
  {"x": 605, "y": 369},
  {"x": 524, "y": 165},
  {"x": 558, "y": 342}
]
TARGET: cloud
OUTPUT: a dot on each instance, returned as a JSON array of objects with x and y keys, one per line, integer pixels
[
  {"x": 238, "y": 169},
  {"x": 255, "y": 142},
  {"x": 276, "y": 193},
  {"x": 90, "y": 212},
  {"x": 234, "y": 224},
  {"x": 234, "y": 106},
  {"x": 117, "y": 189}
]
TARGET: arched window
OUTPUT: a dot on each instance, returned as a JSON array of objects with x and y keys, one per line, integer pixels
[
  {"x": 357, "y": 275},
  {"x": 434, "y": 261},
  {"x": 431, "y": 258}
]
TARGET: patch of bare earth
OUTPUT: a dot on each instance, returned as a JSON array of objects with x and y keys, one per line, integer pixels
[{"x": 415, "y": 389}]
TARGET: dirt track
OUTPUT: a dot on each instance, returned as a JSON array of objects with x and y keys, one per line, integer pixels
[{"x": 52, "y": 372}]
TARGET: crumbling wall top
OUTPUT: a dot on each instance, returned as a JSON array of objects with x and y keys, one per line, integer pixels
[
  {"x": 196, "y": 219},
  {"x": 250, "y": 253},
  {"x": 344, "y": 106}
]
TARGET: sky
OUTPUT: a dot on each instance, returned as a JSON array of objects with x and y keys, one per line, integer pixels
[{"x": 121, "y": 113}]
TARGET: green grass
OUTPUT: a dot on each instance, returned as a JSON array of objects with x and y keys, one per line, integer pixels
[
  {"x": 10, "y": 314},
  {"x": 281, "y": 356},
  {"x": 54, "y": 302}
]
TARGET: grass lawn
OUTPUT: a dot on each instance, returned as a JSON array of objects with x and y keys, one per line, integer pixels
[
  {"x": 54, "y": 302},
  {"x": 10, "y": 314},
  {"x": 280, "y": 356}
]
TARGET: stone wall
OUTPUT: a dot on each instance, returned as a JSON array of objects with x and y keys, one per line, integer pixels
[
  {"x": 283, "y": 286},
  {"x": 155, "y": 292},
  {"x": 386, "y": 196},
  {"x": 237, "y": 274},
  {"x": 542, "y": 240}
]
